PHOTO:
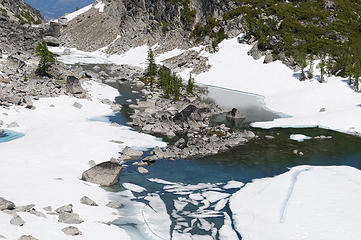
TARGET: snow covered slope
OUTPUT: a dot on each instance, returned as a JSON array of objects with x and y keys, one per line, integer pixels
[
  {"x": 313, "y": 203},
  {"x": 44, "y": 167},
  {"x": 232, "y": 68}
]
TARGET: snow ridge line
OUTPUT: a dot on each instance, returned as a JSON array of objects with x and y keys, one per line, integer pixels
[{"x": 291, "y": 188}]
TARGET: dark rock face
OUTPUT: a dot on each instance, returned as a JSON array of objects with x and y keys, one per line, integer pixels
[
  {"x": 73, "y": 85},
  {"x": 191, "y": 112}
]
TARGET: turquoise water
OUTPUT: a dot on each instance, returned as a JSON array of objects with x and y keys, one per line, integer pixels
[{"x": 7, "y": 136}]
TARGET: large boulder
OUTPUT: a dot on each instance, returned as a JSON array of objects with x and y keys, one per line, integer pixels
[
  {"x": 63, "y": 21},
  {"x": 191, "y": 112},
  {"x": 54, "y": 29},
  {"x": 255, "y": 52},
  {"x": 52, "y": 41},
  {"x": 73, "y": 85},
  {"x": 6, "y": 204},
  {"x": 104, "y": 174},
  {"x": 70, "y": 218}
]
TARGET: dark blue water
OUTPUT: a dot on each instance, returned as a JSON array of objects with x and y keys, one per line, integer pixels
[{"x": 262, "y": 157}]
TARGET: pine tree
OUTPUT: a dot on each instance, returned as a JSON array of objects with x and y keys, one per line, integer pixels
[
  {"x": 47, "y": 58},
  {"x": 152, "y": 67},
  {"x": 310, "y": 72},
  {"x": 190, "y": 85},
  {"x": 322, "y": 66},
  {"x": 356, "y": 75}
]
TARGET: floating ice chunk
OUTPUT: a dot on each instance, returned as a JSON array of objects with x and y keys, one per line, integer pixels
[
  {"x": 180, "y": 205},
  {"x": 233, "y": 184},
  {"x": 134, "y": 188},
  {"x": 299, "y": 137},
  {"x": 226, "y": 232},
  {"x": 221, "y": 204},
  {"x": 196, "y": 196},
  {"x": 160, "y": 181},
  {"x": 213, "y": 196},
  {"x": 301, "y": 204}
]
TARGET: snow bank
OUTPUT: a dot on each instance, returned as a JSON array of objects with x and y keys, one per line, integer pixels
[
  {"x": 299, "y": 137},
  {"x": 232, "y": 68},
  {"x": 310, "y": 203},
  {"x": 75, "y": 14},
  {"x": 44, "y": 166},
  {"x": 100, "y": 5}
]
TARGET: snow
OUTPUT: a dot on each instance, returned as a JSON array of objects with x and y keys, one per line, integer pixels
[
  {"x": 306, "y": 202},
  {"x": 299, "y": 137},
  {"x": 233, "y": 184},
  {"x": 45, "y": 165},
  {"x": 134, "y": 57},
  {"x": 75, "y": 14},
  {"x": 100, "y": 5},
  {"x": 232, "y": 68},
  {"x": 133, "y": 187}
]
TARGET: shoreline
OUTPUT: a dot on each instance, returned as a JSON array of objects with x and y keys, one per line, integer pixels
[{"x": 49, "y": 159}]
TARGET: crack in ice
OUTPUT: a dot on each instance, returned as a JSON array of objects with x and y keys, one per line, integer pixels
[{"x": 290, "y": 192}]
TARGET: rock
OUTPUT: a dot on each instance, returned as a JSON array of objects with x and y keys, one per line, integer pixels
[
  {"x": 27, "y": 237},
  {"x": 63, "y": 21},
  {"x": 65, "y": 209},
  {"x": 157, "y": 151},
  {"x": 17, "y": 221},
  {"x": 26, "y": 208},
  {"x": 70, "y": 218},
  {"x": 1, "y": 236},
  {"x": 268, "y": 58},
  {"x": 255, "y": 52},
  {"x": 269, "y": 137},
  {"x": 87, "y": 201},
  {"x": 52, "y": 41},
  {"x": 92, "y": 163},
  {"x": 143, "y": 170},
  {"x": 114, "y": 204},
  {"x": 235, "y": 114},
  {"x": 13, "y": 125},
  {"x": 323, "y": 110},
  {"x": 77, "y": 105},
  {"x": 71, "y": 231},
  {"x": 73, "y": 85},
  {"x": 171, "y": 134},
  {"x": 48, "y": 208},
  {"x": 67, "y": 51},
  {"x": 139, "y": 84},
  {"x": 54, "y": 29},
  {"x": 181, "y": 143},
  {"x": 132, "y": 152},
  {"x": 104, "y": 174},
  {"x": 295, "y": 152},
  {"x": 6, "y": 205},
  {"x": 150, "y": 159},
  {"x": 28, "y": 102}
]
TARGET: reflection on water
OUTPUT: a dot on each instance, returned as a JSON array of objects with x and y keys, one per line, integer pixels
[{"x": 251, "y": 105}]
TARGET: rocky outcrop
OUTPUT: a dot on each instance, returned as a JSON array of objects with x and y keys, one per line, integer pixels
[
  {"x": 20, "y": 12},
  {"x": 6, "y": 204},
  {"x": 104, "y": 174},
  {"x": 134, "y": 23}
]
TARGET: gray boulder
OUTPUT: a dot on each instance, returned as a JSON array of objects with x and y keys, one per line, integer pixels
[
  {"x": 52, "y": 41},
  {"x": 66, "y": 208},
  {"x": 27, "y": 237},
  {"x": 132, "y": 152},
  {"x": 70, "y": 218},
  {"x": 268, "y": 58},
  {"x": 104, "y": 174},
  {"x": 6, "y": 205},
  {"x": 71, "y": 231},
  {"x": 77, "y": 105},
  {"x": 63, "y": 21},
  {"x": 73, "y": 85},
  {"x": 87, "y": 201},
  {"x": 17, "y": 221},
  {"x": 114, "y": 204},
  {"x": 255, "y": 52},
  {"x": 54, "y": 29}
]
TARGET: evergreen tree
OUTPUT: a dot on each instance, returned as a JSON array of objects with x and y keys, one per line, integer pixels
[
  {"x": 190, "y": 85},
  {"x": 47, "y": 58},
  {"x": 310, "y": 72},
  {"x": 322, "y": 66},
  {"x": 152, "y": 67},
  {"x": 301, "y": 60},
  {"x": 356, "y": 75}
]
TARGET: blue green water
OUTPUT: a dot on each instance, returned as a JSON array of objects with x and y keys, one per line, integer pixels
[{"x": 7, "y": 136}]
